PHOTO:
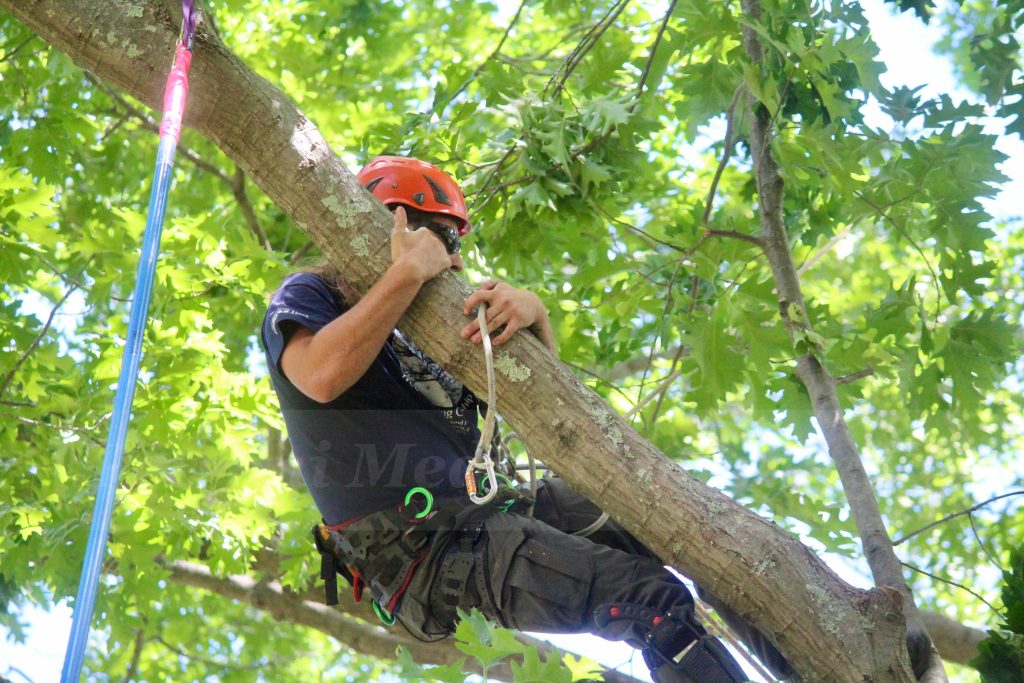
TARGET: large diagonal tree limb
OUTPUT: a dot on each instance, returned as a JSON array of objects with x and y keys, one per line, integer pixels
[
  {"x": 821, "y": 386},
  {"x": 827, "y": 629}
]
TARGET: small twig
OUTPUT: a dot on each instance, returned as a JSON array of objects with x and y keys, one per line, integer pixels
[
  {"x": 235, "y": 183},
  {"x": 133, "y": 666},
  {"x": 491, "y": 175},
  {"x": 481, "y": 65},
  {"x": 9, "y": 378},
  {"x": 300, "y": 253},
  {"x": 585, "y": 45},
  {"x": 955, "y": 515},
  {"x": 74, "y": 429},
  {"x": 114, "y": 128},
  {"x": 654, "y": 48},
  {"x": 977, "y": 537},
  {"x": 661, "y": 321},
  {"x": 238, "y": 190},
  {"x": 735, "y": 235},
  {"x": 950, "y": 583},
  {"x": 72, "y": 281},
  {"x": 19, "y": 404},
  {"x": 151, "y": 124},
  {"x": 16, "y": 670},
  {"x": 836, "y": 238},
  {"x": 663, "y": 390},
  {"x": 726, "y": 153},
  {"x": 261, "y": 663},
  {"x": 17, "y": 49},
  {"x": 847, "y": 379},
  {"x": 640, "y": 231},
  {"x": 885, "y": 214}
]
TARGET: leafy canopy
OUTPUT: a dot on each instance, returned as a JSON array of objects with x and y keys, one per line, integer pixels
[{"x": 588, "y": 145}]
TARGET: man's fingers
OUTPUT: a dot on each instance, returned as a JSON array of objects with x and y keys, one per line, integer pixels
[
  {"x": 476, "y": 297},
  {"x": 490, "y": 284},
  {"x": 507, "y": 333},
  {"x": 470, "y": 329},
  {"x": 400, "y": 220},
  {"x": 495, "y": 324}
]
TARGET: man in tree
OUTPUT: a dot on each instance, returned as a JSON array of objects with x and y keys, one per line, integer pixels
[{"x": 382, "y": 435}]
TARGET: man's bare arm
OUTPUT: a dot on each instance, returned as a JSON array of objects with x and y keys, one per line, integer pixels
[{"x": 322, "y": 365}]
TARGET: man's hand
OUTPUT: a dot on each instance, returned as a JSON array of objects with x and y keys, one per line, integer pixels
[
  {"x": 508, "y": 306},
  {"x": 420, "y": 253}
]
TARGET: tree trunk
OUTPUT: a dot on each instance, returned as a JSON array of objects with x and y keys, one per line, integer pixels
[{"x": 828, "y": 630}]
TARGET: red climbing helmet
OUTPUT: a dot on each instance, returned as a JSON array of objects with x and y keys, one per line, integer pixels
[{"x": 416, "y": 184}]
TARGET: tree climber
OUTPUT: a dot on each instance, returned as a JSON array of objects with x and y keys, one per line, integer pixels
[{"x": 382, "y": 435}]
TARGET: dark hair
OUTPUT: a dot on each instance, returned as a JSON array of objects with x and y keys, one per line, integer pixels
[{"x": 329, "y": 273}]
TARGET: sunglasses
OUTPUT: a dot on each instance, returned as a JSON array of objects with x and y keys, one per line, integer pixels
[{"x": 448, "y": 235}]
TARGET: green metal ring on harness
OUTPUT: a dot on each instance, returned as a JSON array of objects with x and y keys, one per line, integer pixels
[
  {"x": 386, "y": 617},
  {"x": 426, "y": 494}
]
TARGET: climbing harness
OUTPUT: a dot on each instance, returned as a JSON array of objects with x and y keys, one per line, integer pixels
[
  {"x": 380, "y": 550},
  {"x": 175, "y": 95}
]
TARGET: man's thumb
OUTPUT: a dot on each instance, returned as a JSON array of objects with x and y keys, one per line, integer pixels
[{"x": 400, "y": 220}]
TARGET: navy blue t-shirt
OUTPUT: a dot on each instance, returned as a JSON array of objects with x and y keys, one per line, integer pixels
[{"x": 406, "y": 422}]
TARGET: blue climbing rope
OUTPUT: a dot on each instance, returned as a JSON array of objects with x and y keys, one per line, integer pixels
[{"x": 175, "y": 95}]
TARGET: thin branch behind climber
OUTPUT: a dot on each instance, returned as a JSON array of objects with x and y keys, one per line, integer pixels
[{"x": 373, "y": 420}]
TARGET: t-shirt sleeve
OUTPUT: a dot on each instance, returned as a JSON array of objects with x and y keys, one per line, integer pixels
[{"x": 303, "y": 299}]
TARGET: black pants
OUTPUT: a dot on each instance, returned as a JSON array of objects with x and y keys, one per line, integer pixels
[{"x": 531, "y": 574}]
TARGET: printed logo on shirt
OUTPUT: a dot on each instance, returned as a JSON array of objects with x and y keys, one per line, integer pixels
[{"x": 284, "y": 311}]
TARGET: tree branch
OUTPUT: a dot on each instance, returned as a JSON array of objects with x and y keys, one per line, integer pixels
[
  {"x": 654, "y": 48},
  {"x": 821, "y": 387},
  {"x": 585, "y": 45},
  {"x": 727, "y": 146},
  {"x": 15, "y": 50},
  {"x": 950, "y": 582},
  {"x": 237, "y": 185},
  {"x": 481, "y": 65},
  {"x": 973, "y": 508},
  {"x": 360, "y": 636},
  {"x": 133, "y": 665},
  {"x": 954, "y": 641},
  {"x": 9, "y": 378},
  {"x": 853, "y": 377}
]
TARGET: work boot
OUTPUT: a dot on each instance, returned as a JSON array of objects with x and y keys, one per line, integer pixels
[
  {"x": 677, "y": 648},
  {"x": 681, "y": 651}
]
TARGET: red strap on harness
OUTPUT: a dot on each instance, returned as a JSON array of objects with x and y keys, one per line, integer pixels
[{"x": 357, "y": 583}]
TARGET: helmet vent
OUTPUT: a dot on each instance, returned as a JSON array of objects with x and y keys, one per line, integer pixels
[
  {"x": 373, "y": 183},
  {"x": 419, "y": 197},
  {"x": 440, "y": 196}
]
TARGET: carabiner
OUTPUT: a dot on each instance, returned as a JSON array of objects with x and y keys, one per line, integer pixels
[{"x": 491, "y": 480}]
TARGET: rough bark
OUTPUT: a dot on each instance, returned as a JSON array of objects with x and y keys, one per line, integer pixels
[
  {"x": 829, "y": 630},
  {"x": 821, "y": 386}
]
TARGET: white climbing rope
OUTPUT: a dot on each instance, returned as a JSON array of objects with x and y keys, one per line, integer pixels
[{"x": 482, "y": 457}]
